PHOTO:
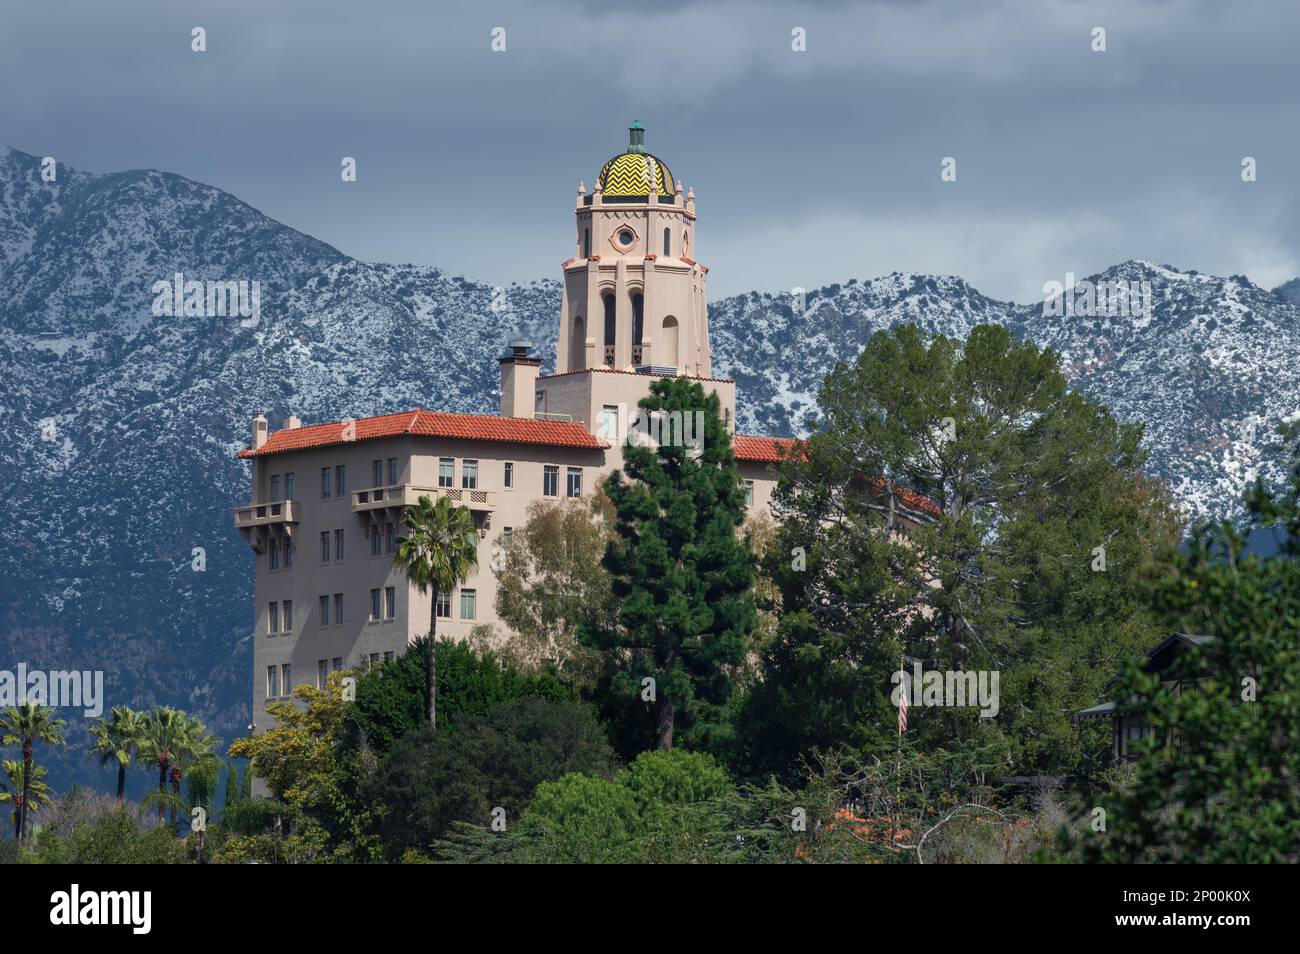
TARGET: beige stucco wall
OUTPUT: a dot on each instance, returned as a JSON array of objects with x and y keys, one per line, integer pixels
[{"x": 358, "y": 572}]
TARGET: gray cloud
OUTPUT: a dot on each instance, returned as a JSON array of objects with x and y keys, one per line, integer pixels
[{"x": 810, "y": 167}]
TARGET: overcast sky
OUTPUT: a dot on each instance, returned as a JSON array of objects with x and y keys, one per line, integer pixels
[{"x": 809, "y": 167}]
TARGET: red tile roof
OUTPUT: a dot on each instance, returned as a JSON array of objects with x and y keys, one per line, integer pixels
[
  {"x": 768, "y": 450},
  {"x": 773, "y": 450},
  {"x": 480, "y": 427}
]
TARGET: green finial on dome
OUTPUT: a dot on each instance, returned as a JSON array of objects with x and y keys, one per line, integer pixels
[{"x": 636, "y": 137}]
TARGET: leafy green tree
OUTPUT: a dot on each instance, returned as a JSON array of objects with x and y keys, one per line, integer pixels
[
  {"x": 681, "y": 571},
  {"x": 300, "y": 760},
  {"x": 25, "y": 726},
  {"x": 1218, "y": 778},
  {"x": 958, "y": 505},
  {"x": 117, "y": 741},
  {"x": 437, "y": 553},
  {"x": 429, "y": 781},
  {"x": 391, "y": 699},
  {"x": 550, "y": 581}
]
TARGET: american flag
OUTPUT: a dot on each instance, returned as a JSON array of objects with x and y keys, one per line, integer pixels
[{"x": 902, "y": 699}]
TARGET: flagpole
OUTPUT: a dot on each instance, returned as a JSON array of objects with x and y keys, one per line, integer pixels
[{"x": 898, "y": 760}]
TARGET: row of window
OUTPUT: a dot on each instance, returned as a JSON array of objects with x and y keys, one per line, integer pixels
[
  {"x": 333, "y": 480},
  {"x": 279, "y": 678},
  {"x": 383, "y": 607}
]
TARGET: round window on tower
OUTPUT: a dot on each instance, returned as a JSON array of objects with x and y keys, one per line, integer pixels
[{"x": 625, "y": 237}]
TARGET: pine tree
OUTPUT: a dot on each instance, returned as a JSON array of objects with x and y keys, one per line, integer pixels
[{"x": 681, "y": 571}]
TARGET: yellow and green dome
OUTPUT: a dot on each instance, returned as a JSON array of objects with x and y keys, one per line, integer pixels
[{"x": 636, "y": 172}]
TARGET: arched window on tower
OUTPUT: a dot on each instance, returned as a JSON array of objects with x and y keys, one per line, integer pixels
[
  {"x": 609, "y": 330},
  {"x": 668, "y": 241},
  {"x": 578, "y": 345},
  {"x": 586, "y": 243},
  {"x": 667, "y": 344},
  {"x": 638, "y": 314}
]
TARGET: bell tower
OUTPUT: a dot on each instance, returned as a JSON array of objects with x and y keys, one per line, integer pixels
[{"x": 634, "y": 296}]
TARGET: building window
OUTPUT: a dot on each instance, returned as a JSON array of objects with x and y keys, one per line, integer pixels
[
  {"x": 469, "y": 474},
  {"x": 288, "y": 554},
  {"x": 288, "y": 486},
  {"x": 446, "y": 471},
  {"x": 586, "y": 243},
  {"x": 375, "y": 607},
  {"x": 390, "y": 537},
  {"x": 287, "y": 613},
  {"x": 272, "y": 682},
  {"x": 509, "y": 477},
  {"x": 338, "y": 545},
  {"x": 324, "y": 546},
  {"x": 275, "y": 555},
  {"x": 336, "y": 664},
  {"x": 550, "y": 481},
  {"x": 468, "y": 602},
  {"x": 322, "y": 673},
  {"x": 609, "y": 422},
  {"x": 506, "y": 534},
  {"x": 273, "y": 618},
  {"x": 610, "y": 323},
  {"x": 668, "y": 241},
  {"x": 389, "y": 656},
  {"x": 340, "y": 483},
  {"x": 286, "y": 679},
  {"x": 390, "y": 602},
  {"x": 638, "y": 314},
  {"x": 376, "y": 473},
  {"x": 275, "y": 486},
  {"x": 443, "y": 606},
  {"x": 374, "y": 540},
  {"x": 625, "y": 237},
  {"x": 373, "y": 660},
  {"x": 749, "y": 493},
  {"x": 392, "y": 471},
  {"x": 326, "y": 482},
  {"x": 574, "y": 486},
  {"x": 338, "y": 609},
  {"x": 324, "y": 611}
]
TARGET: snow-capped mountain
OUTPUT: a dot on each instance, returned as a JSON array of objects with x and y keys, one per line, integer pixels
[{"x": 118, "y": 425}]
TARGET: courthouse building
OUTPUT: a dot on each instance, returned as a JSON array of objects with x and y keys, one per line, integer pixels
[{"x": 326, "y": 499}]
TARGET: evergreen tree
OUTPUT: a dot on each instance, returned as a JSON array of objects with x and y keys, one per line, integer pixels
[
  {"x": 960, "y": 506},
  {"x": 681, "y": 571}
]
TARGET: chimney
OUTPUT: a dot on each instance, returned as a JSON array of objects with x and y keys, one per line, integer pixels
[
  {"x": 259, "y": 432},
  {"x": 294, "y": 422},
  {"x": 519, "y": 380}
]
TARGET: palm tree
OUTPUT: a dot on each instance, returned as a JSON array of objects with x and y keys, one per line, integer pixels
[
  {"x": 194, "y": 746},
  {"x": 158, "y": 743},
  {"x": 12, "y": 790},
  {"x": 117, "y": 739},
  {"x": 26, "y": 725},
  {"x": 437, "y": 553}
]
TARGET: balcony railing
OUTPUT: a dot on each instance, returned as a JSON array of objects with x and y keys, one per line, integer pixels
[
  {"x": 265, "y": 514},
  {"x": 405, "y": 495}
]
